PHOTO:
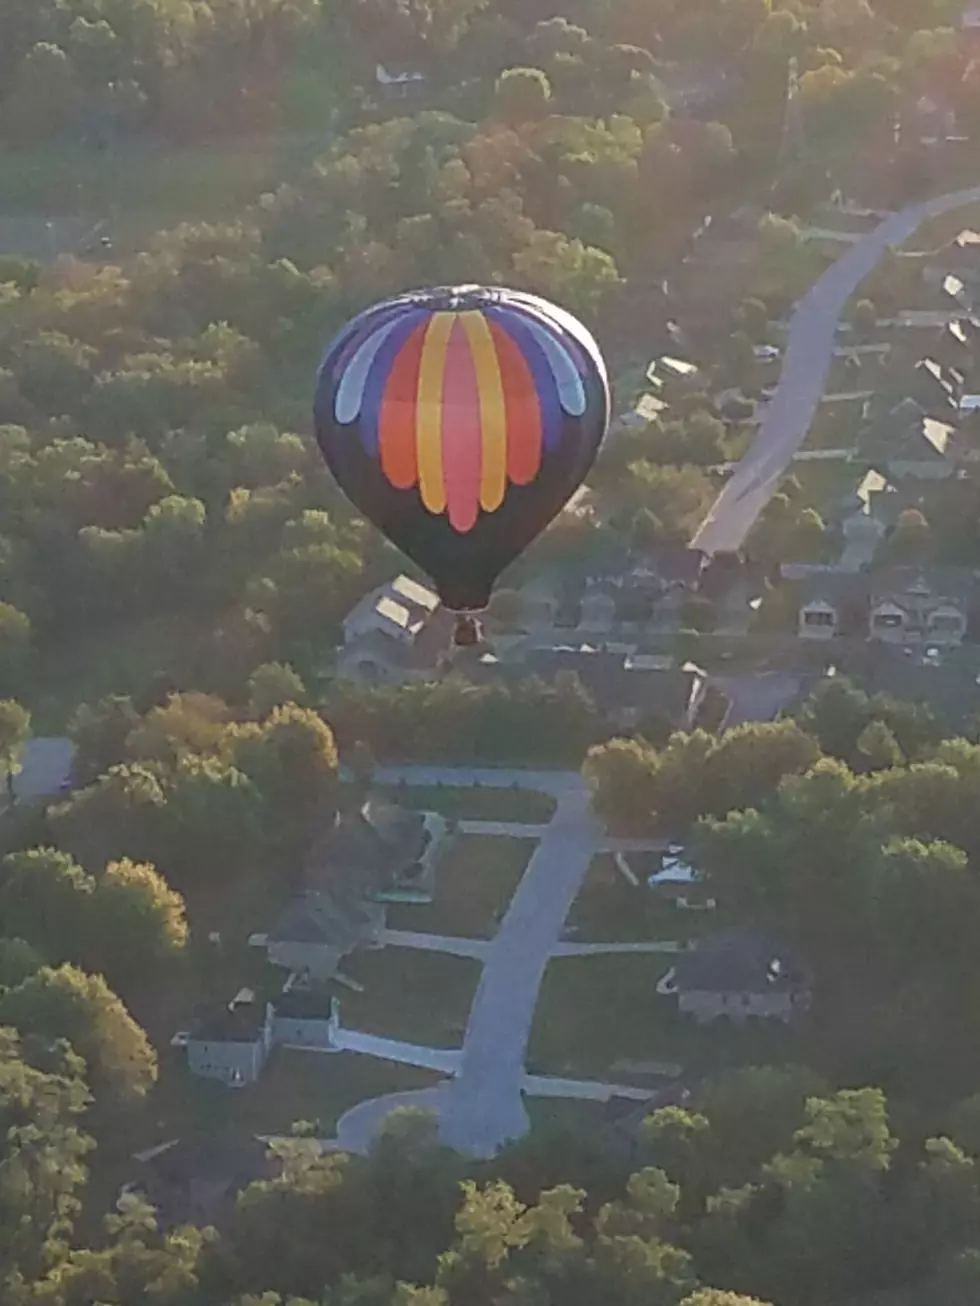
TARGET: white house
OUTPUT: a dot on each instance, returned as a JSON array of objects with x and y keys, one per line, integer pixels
[
  {"x": 399, "y": 632},
  {"x": 231, "y": 1045}
]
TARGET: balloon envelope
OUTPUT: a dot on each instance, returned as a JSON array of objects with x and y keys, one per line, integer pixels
[{"x": 460, "y": 421}]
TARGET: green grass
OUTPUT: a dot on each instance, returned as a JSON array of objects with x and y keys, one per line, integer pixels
[
  {"x": 596, "y": 1011},
  {"x": 466, "y": 803},
  {"x": 475, "y": 880},
  {"x": 418, "y": 997},
  {"x": 294, "y": 1085},
  {"x": 610, "y": 910}
]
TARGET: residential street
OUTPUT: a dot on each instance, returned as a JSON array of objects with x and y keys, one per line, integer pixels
[
  {"x": 806, "y": 364},
  {"x": 481, "y": 1107}
]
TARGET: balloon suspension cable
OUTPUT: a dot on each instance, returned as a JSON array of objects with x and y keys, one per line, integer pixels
[{"x": 468, "y": 631}]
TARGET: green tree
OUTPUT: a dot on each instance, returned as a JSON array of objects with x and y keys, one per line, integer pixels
[
  {"x": 878, "y": 745},
  {"x": 45, "y": 898},
  {"x": 18, "y": 960},
  {"x": 137, "y": 922},
  {"x": 15, "y": 640},
  {"x": 523, "y": 94},
  {"x": 15, "y": 730},
  {"x": 100, "y": 732},
  {"x": 273, "y": 685},
  {"x": 68, "y": 1004},
  {"x": 42, "y": 1154},
  {"x": 118, "y": 816},
  {"x": 291, "y": 759}
]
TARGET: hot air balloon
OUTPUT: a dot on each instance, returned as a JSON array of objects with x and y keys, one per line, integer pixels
[{"x": 460, "y": 421}]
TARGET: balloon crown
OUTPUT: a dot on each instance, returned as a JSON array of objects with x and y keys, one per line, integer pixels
[{"x": 453, "y": 298}]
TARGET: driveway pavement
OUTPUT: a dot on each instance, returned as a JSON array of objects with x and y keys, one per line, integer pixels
[{"x": 809, "y": 350}]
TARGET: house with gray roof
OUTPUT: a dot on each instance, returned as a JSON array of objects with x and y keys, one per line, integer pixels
[
  {"x": 399, "y": 632},
  {"x": 741, "y": 975},
  {"x": 231, "y": 1043},
  {"x": 909, "y": 606}
]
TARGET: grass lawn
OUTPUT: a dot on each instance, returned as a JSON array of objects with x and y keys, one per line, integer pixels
[
  {"x": 528, "y": 806},
  {"x": 475, "y": 880},
  {"x": 609, "y": 910},
  {"x": 311, "y": 1086},
  {"x": 419, "y": 997},
  {"x": 595, "y": 1011}
]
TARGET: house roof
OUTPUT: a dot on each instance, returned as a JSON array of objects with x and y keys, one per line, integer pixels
[
  {"x": 366, "y": 850},
  {"x": 742, "y": 961},
  {"x": 897, "y": 584},
  {"x": 616, "y": 681},
  {"x": 432, "y": 639},
  {"x": 320, "y": 918},
  {"x": 834, "y": 588},
  {"x": 907, "y": 434},
  {"x": 240, "y": 1021},
  {"x": 304, "y": 1004}
]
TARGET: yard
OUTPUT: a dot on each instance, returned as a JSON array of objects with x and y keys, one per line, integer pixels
[
  {"x": 475, "y": 880},
  {"x": 414, "y": 996},
  {"x": 472, "y": 803},
  {"x": 610, "y": 910},
  {"x": 310, "y": 1086},
  {"x": 595, "y": 1014}
]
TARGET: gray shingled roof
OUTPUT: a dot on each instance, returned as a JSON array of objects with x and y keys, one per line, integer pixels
[{"x": 739, "y": 961}]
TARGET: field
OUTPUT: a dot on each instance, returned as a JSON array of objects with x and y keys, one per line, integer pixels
[
  {"x": 414, "y": 996},
  {"x": 595, "y": 1012},
  {"x": 475, "y": 880}
]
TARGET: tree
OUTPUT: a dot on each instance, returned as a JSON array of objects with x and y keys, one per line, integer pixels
[
  {"x": 273, "y": 685},
  {"x": 191, "y": 723},
  {"x": 522, "y": 94},
  {"x": 718, "y": 1297},
  {"x": 68, "y": 1004},
  {"x": 137, "y": 922},
  {"x": 15, "y": 639},
  {"x": 118, "y": 816},
  {"x": 879, "y": 746},
  {"x": 45, "y": 898},
  {"x": 18, "y": 960},
  {"x": 42, "y": 1154},
  {"x": 911, "y": 540},
  {"x": 620, "y": 776},
  {"x": 291, "y": 759},
  {"x": 864, "y": 318},
  {"x": 100, "y": 732},
  {"x": 15, "y": 730}
]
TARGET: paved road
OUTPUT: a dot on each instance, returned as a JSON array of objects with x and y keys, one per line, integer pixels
[
  {"x": 810, "y": 345},
  {"x": 482, "y": 1109}
]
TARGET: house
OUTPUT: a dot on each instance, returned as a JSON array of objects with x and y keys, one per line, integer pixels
[
  {"x": 316, "y": 932},
  {"x": 306, "y": 1015},
  {"x": 231, "y": 1044},
  {"x": 397, "y": 633},
  {"x": 741, "y": 975},
  {"x": 628, "y": 688},
  {"x": 384, "y": 852},
  {"x": 907, "y": 443},
  {"x": 832, "y": 603},
  {"x": 908, "y": 607},
  {"x": 195, "y": 1180},
  {"x": 376, "y": 855}
]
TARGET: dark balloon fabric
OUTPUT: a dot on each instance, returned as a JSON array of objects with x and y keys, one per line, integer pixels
[{"x": 460, "y": 421}]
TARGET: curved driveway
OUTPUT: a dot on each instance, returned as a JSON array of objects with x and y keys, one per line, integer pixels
[{"x": 809, "y": 350}]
